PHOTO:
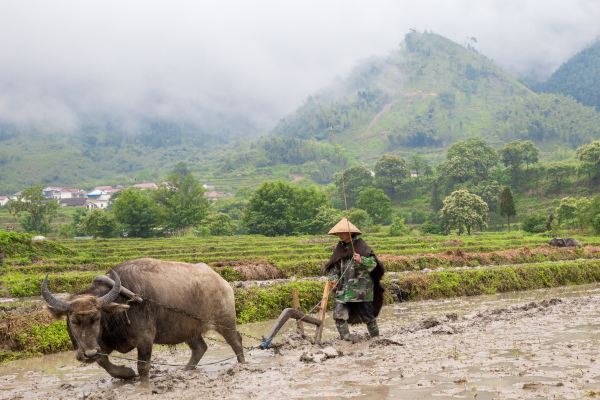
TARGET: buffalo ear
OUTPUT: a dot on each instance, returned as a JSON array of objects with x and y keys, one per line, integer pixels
[
  {"x": 115, "y": 308},
  {"x": 55, "y": 312}
]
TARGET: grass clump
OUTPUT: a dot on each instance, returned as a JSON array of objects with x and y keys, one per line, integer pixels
[{"x": 45, "y": 338}]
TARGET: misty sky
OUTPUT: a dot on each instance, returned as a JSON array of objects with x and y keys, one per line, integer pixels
[{"x": 61, "y": 61}]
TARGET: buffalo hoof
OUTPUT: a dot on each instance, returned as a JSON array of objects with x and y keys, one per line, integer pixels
[
  {"x": 123, "y": 373},
  {"x": 189, "y": 367}
]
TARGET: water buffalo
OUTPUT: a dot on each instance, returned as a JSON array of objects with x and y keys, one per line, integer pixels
[
  {"x": 566, "y": 242},
  {"x": 176, "y": 295}
]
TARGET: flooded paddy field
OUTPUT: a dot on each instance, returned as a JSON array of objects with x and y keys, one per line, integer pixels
[{"x": 538, "y": 344}]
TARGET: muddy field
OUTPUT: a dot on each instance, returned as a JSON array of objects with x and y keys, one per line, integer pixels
[{"x": 538, "y": 344}]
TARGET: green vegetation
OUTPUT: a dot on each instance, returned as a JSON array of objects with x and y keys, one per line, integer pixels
[
  {"x": 579, "y": 77},
  {"x": 21, "y": 249},
  {"x": 37, "y": 211},
  {"x": 463, "y": 210}
]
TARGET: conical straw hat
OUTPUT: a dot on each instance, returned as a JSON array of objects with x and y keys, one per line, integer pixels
[{"x": 344, "y": 226}]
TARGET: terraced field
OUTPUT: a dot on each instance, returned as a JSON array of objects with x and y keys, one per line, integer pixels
[{"x": 263, "y": 270}]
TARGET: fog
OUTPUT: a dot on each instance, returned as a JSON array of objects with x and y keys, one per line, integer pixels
[{"x": 64, "y": 62}]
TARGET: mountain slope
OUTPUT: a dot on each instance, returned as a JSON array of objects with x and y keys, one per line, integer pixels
[
  {"x": 429, "y": 93},
  {"x": 579, "y": 77}
]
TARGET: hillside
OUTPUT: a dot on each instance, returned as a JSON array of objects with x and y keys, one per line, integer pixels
[
  {"x": 430, "y": 93},
  {"x": 419, "y": 99},
  {"x": 107, "y": 152},
  {"x": 579, "y": 77}
]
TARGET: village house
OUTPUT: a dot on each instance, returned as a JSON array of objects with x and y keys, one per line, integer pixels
[
  {"x": 97, "y": 199},
  {"x": 59, "y": 193},
  {"x": 146, "y": 186},
  {"x": 3, "y": 201},
  {"x": 109, "y": 189}
]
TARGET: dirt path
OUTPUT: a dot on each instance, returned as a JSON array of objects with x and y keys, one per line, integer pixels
[{"x": 538, "y": 344}]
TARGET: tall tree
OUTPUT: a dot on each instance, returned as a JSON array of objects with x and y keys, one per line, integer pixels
[
  {"x": 37, "y": 211},
  {"x": 137, "y": 212},
  {"x": 589, "y": 155},
  {"x": 463, "y": 210},
  {"x": 390, "y": 171},
  {"x": 279, "y": 208},
  {"x": 507, "y": 205},
  {"x": 376, "y": 204},
  {"x": 517, "y": 153},
  {"x": 182, "y": 201},
  {"x": 352, "y": 181},
  {"x": 471, "y": 160},
  {"x": 98, "y": 223}
]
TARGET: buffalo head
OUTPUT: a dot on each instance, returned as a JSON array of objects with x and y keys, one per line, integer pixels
[{"x": 84, "y": 312}]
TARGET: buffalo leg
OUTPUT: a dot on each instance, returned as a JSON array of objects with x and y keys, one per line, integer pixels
[
  {"x": 116, "y": 371},
  {"x": 234, "y": 339},
  {"x": 144, "y": 350},
  {"x": 198, "y": 346}
]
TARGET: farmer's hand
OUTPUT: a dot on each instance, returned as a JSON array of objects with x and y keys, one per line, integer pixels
[
  {"x": 332, "y": 283},
  {"x": 357, "y": 258}
]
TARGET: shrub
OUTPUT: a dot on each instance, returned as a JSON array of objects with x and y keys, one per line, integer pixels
[
  {"x": 535, "y": 223},
  {"x": 398, "y": 227}
]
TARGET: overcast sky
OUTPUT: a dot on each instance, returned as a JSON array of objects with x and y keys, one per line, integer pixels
[{"x": 63, "y": 60}]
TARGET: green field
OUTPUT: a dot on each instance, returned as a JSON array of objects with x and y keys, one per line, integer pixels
[{"x": 420, "y": 267}]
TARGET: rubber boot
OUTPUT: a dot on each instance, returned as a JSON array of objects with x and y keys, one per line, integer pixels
[
  {"x": 373, "y": 328},
  {"x": 342, "y": 327}
]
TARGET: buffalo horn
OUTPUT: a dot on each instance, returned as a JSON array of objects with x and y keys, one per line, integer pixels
[
  {"x": 52, "y": 301},
  {"x": 114, "y": 292}
]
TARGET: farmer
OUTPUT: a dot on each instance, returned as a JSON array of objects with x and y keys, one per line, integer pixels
[{"x": 356, "y": 273}]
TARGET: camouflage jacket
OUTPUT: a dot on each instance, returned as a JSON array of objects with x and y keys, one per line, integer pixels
[{"x": 354, "y": 284}]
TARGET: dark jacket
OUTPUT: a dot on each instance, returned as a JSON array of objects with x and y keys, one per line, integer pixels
[{"x": 361, "y": 247}]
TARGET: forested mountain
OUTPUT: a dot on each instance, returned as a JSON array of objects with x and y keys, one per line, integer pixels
[
  {"x": 579, "y": 77},
  {"x": 430, "y": 93},
  {"x": 103, "y": 151},
  {"x": 419, "y": 99}
]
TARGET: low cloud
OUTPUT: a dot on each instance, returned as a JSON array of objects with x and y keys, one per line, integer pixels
[{"x": 63, "y": 62}]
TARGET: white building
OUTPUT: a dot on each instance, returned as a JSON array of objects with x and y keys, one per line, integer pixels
[
  {"x": 59, "y": 193},
  {"x": 3, "y": 200},
  {"x": 98, "y": 199}
]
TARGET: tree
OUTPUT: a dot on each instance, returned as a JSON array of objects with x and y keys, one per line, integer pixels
[
  {"x": 219, "y": 224},
  {"x": 463, "y": 210},
  {"x": 574, "y": 211},
  {"x": 535, "y": 223},
  {"x": 359, "y": 217},
  {"x": 376, "y": 204},
  {"x": 353, "y": 180},
  {"x": 99, "y": 223},
  {"x": 37, "y": 211},
  {"x": 279, "y": 208},
  {"x": 326, "y": 218},
  {"x": 517, "y": 153},
  {"x": 589, "y": 155},
  {"x": 559, "y": 171},
  {"x": 468, "y": 161},
  {"x": 398, "y": 227},
  {"x": 489, "y": 191},
  {"x": 390, "y": 171},
  {"x": 507, "y": 205},
  {"x": 182, "y": 201},
  {"x": 136, "y": 212}
]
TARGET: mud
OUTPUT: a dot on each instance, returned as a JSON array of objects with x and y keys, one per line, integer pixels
[{"x": 532, "y": 345}]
